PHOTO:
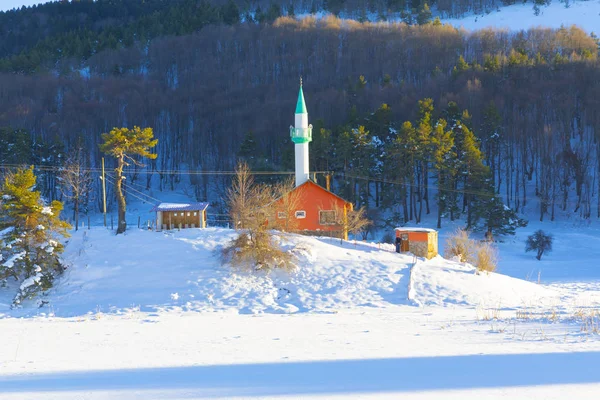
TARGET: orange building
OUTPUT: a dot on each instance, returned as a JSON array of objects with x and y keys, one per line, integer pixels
[
  {"x": 313, "y": 210},
  {"x": 309, "y": 208},
  {"x": 422, "y": 242}
]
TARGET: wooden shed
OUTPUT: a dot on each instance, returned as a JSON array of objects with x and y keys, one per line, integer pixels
[
  {"x": 180, "y": 215},
  {"x": 422, "y": 242}
]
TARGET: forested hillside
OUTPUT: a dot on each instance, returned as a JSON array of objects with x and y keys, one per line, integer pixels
[{"x": 524, "y": 106}]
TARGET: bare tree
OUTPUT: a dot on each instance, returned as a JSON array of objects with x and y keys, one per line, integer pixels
[
  {"x": 350, "y": 220},
  {"x": 288, "y": 201},
  {"x": 76, "y": 182},
  {"x": 251, "y": 207}
]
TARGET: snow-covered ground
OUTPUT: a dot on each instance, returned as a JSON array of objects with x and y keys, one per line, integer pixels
[
  {"x": 151, "y": 315},
  {"x": 521, "y": 16}
]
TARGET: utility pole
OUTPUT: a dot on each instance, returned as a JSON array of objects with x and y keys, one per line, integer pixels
[{"x": 104, "y": 191}]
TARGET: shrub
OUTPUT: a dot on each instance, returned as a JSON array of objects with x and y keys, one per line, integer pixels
[
  {"x": 387, "y": 237},
  {"x": 486, "y": 257},
  {"x": 251, "y": 207},
  {"x": 459, "y": 244},
  {"x": 256, "y": 252},
  {"x": 540, "y": 242}
]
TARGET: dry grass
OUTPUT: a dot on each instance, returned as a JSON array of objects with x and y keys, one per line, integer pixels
[
  {"x": 486, "y": 258},
  {"x": 251, "y": 207},
  {"x": 256, "y": 252},
  {"x": 459, "y": 244}
]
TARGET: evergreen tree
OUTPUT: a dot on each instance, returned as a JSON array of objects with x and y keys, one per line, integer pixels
[
  {"x": 443, "y": 161},
  {"x": 273, "y": 13},
  {"x": 29, "y": 238},
  {"x": 291, "y": 11},
  {"x": 123, "y": 144},
  {"x": 424, "y": 15},
  {"x": 500, "y": 219},
  {"x": 16, "y": 146},
  {"x": 474, "y": 175},
  {"x": 461, "y": 66},
  {"x": 248, "y": 149},
  {"x": 231, "y": 13},
  {"x": 424, "y": 152}
]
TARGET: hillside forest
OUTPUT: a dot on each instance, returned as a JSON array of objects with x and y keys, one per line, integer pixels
[{"x": 409, "y": 119}]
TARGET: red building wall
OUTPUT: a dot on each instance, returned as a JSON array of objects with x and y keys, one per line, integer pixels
[{"x": 313, "y": 199}]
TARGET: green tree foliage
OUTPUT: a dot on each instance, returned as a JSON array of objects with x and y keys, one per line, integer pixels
[
  {"x": 443, "y": 160},
  {"x": 540, "y": 242},
  {"x": 231, "y": 13},
  {"x": 500, "y": 219},
  {"x": 273, "y": 12},
  {"x": 248, "y": 149},
  {"x": 30, "y": 232},
  {"x": 461, "y": 66},
  {"x": 424, "y": 15},
  {"x": 123, "y": 144},
  {"x": 16, "y": 146},
  {"x": 80, "y": 29}
]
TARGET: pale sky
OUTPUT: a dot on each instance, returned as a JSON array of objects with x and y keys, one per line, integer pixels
[{"x": 10, "y": 4}]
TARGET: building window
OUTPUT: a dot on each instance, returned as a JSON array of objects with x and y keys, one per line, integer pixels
[
  {"x": 281, "y": 215},
  {"x": 188, "y": 214},
  {"x": 327, "y": 217},
  {"x": 195, "y": 214},
  {"x": 174, "y": 214},
  {"x": 300, "y": 214}
]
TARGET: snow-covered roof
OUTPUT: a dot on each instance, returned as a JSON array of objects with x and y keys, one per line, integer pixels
[
  {"x": 180, "y": 207},
  {"x": 414, "y": 229}
]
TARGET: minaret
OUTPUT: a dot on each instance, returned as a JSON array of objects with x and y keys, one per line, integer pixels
[{"x": 301, "y": 135}]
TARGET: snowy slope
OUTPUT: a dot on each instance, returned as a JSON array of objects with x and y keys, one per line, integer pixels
[
  {"x": 152, "y": 271},
  {"x": 150, "y": 315},
  {"x": 585, "y": 14}
]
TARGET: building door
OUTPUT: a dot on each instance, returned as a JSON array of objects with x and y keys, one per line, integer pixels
[{"x": 405, "y": 243}]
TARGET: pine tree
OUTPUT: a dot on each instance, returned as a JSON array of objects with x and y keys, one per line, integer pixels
[
  {"x": 424, "y": 15},
  {"x": 231, "y": 13},
  {"x": 29, "y": 241},
  {"x": 424, "y": 149},
  {"x": 499, "y": 218},
  {"x": 475, "y": 176},
  {"x": 123, "y": 144},
  {"x": 443, "y": 160}
]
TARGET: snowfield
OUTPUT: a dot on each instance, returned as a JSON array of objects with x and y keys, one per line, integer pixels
[
  {"x": 150, "y": 315},
  {"x": 585, "y": 14},
  {"x": 182, "y": 271}
]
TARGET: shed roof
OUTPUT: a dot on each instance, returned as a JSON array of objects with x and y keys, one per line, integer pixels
[
  {"x": 180, "y": 207},
  {"x": 414, "y": 229}
]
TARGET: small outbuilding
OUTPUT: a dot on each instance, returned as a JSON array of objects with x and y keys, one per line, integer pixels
[
  {"x": 180, "y": 215},
  {"x": 422, "y": 242}
]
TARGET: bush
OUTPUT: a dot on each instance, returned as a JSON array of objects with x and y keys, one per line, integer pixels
[
  {"x": 256, "y": 252},
  {"x": 460, "y": 245},
  {"x": 251, "y": 208},
  {"x": 540, "y": 242},
  {"x": 387, "y": 237},
  {"x": 486, "y": 257}
]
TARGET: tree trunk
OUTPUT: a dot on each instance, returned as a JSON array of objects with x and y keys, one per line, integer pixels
[
  {"x": 121, "y": 223},
  {"x": 76, "y": 206}
]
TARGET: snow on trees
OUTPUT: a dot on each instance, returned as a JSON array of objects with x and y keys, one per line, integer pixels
[{"x": 29, "y": 242}]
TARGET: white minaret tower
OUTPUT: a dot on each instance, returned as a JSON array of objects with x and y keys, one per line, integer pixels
[{"x": 301, "y": 135}]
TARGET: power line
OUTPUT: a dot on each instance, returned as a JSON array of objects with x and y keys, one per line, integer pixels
[{"x": 128, "y": 187}]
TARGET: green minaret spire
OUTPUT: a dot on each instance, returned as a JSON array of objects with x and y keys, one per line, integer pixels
[{"x": 301, "y": 105}]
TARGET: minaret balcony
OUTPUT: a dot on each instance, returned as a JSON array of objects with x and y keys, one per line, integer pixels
[{"x": 301, "y": 135}]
